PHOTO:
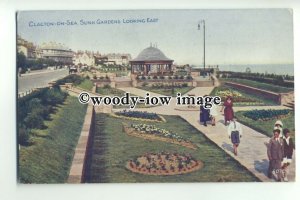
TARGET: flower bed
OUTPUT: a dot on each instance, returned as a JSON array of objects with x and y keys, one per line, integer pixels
[
  {"x": 164, "y": 164},
  {"x": 237, "y": 96},
  {"x": 138, "y": 115},
  {"x": 266, "y": 115},
  {"x": 153, "y": 133}
]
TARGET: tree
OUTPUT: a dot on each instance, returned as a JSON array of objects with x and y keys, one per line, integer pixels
[{"x": 21, "y": 61}]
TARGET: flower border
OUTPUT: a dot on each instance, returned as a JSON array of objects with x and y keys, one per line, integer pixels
[
  {"x": 139, "y": 119},
  {"x": 132, "y": 132}
]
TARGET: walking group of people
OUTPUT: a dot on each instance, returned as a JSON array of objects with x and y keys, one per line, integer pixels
[
  {"x": 280, "y": 152},
  {"x": 279, "y": 149},
  {"x": 234, "y": 128}
]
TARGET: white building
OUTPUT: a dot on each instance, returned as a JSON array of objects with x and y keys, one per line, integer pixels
[
  {"x": 118, "y": 58},
  {"x": 84, "y": 59},
  {"x": 57, "y": 52}
]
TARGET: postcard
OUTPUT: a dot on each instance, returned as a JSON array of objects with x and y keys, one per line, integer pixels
[{"x": 155, "y": 96}]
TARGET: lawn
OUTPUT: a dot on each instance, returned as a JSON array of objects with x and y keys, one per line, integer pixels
[
  {"x": 49, "y": 159},
  {"x": 240, "y": 98},
  {"x": 263, "y": 86},
  {"x": 167, "y": 91},
  {"x": 112, "y": 148},
  {"x": 266, "y": 127},
  {"x": 86, "y": 84},
  {"x": 110, "y": 91}
]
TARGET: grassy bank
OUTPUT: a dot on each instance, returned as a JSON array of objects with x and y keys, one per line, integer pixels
[
  {"x": 49, "y": 159},
  {"x": 110, "y": 91},
  {"x": 260, "y": 85},
  {"x": 112, "y": 148},
  {"x": 266, "y": 127},
  {"x": 86, "y": 84}
]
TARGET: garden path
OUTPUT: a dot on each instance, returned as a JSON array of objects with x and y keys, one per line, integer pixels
[{"x": 252, "y": 150}]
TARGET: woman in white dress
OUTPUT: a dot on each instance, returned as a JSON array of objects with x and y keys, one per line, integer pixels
[{"x": 214, "y": 114}]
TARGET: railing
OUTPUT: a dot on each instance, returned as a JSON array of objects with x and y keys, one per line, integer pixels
[{"x": 23, "y": 94}]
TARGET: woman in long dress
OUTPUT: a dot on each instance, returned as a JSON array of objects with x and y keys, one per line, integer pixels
[
  {"x": 228, "y": 110},
  {"x": 204, "y": 115}
]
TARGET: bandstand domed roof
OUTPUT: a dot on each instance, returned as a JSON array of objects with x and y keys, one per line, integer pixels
[{"x": 151, "y": 54}]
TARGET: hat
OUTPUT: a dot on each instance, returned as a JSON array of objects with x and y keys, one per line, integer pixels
[
  {"x": 279, "y": 123},
  {"x": 276, "y": 130}
]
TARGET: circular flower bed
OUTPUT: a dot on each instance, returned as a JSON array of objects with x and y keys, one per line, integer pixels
[{"x": 163, "y": 164}]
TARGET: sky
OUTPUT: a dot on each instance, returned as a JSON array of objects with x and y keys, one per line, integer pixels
[{"x": 245, "y": 36}]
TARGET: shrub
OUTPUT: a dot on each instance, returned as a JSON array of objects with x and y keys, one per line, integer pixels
[
  {"x": 23, "y": 136},
  {"x": 87, "y": 77},
  {"x": 34, "y": 120},
  {"x": 189, "y": 77},
  {"x": 176, "y": 77},
  {"x": 143, "y": 78},
  {"x": 149, "y": 77},
  {"x": 107, "y": 86},
  {"x": 54, "y": 96},
  {"x": 266, "y": 114},
  {"x": 170, "y": 77},
  {"x": 181, "y": 77},
  {"x": 73, "y": 78},
  {"x": 162, "y": 77},
  {"x": 155, "y": 77},
  {"x": 184, "y": 85}
]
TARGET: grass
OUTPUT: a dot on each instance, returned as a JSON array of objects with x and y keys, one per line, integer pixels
[
  {"x": 112, "y": 148},
  {"x": 110, "y": 91},
  {"x": 87, "y": 84},
  {"x": 167, "y": 92},
  {"x": 49, "y": 159},
  {"x": 266, "y": 127},
  {"x": 255, "y": 99},
  {"x": 263, "y": 86}
]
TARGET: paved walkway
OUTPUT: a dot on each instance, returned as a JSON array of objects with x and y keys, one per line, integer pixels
[{"x": 252, "y": 150}]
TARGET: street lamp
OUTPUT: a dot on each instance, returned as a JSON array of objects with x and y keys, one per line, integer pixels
[{"x": 202, "y": 22}]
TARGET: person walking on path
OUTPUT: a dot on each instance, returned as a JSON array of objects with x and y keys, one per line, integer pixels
[
  {"x": 275, "y": 155},
  {"x": 213, "y": 114},
  {"x": 288, "y": 149},
  {"x": 204, "y": 115},
  {"x": 228, "y": 110},
  {"x": 235, "y": 133}
]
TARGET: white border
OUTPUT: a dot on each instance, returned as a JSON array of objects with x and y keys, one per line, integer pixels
[{"x": 10, "y": 190}]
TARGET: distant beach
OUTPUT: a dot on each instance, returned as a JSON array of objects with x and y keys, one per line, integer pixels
[{"x": 279, "y": 69}]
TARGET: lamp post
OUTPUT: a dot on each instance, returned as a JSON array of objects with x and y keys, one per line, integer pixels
[{"x": 199, "y": 27}]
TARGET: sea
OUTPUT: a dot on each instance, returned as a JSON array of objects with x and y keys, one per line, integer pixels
[{"x": 279, "y": 69}]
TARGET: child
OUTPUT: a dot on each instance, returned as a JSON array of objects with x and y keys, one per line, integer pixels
[{"x": 235, "y": 133}]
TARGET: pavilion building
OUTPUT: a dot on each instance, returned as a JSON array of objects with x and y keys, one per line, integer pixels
[{"x": 151, "y": 61}]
